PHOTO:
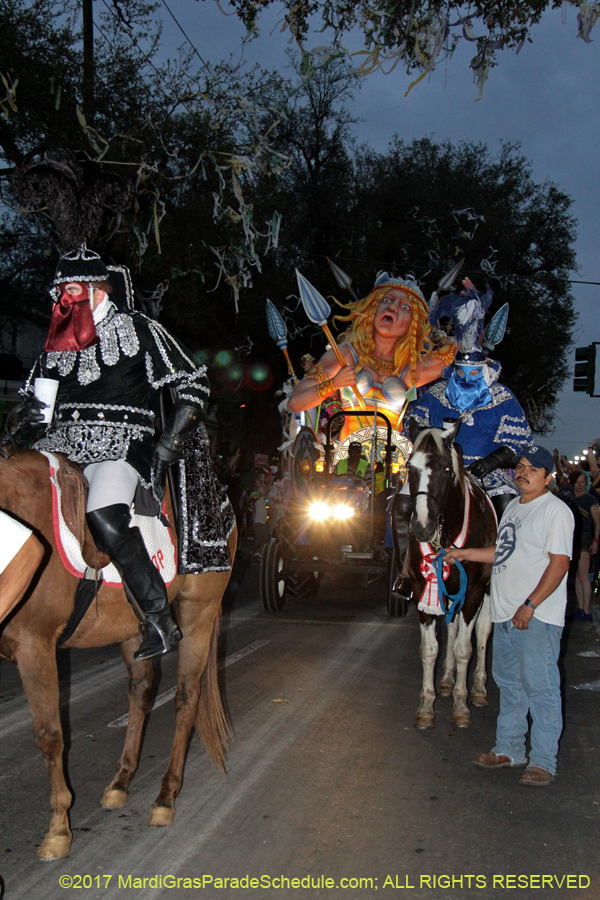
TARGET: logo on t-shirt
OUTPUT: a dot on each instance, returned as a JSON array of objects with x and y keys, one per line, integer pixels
[{"x": 505, "y": 545}]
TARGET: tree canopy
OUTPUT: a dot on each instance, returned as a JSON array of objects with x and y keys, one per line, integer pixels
[
  {"x": 418, "y": 34},
  {"x": 420, "y": 207},
  {"x": 239, "y": 176},
  {"x": 188, "y": 137}
]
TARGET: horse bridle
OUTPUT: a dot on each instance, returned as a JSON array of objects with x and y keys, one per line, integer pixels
[{"x": 441, "y": 516}]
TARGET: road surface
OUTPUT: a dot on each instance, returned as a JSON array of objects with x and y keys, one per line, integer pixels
[{"x": 327, "y": 780}]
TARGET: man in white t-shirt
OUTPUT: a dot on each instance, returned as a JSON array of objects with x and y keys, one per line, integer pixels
[
  {"x": 20, "y": 555},
  {"x": 529, "y": 595}
]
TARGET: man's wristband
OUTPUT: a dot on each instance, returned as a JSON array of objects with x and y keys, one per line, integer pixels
[{"x": 530, "y": 604}]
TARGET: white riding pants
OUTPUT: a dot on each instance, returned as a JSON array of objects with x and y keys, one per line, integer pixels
[{"x": 111, "y": 482}]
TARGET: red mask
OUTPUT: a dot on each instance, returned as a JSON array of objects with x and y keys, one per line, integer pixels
[{"x": 72, "y": 323}]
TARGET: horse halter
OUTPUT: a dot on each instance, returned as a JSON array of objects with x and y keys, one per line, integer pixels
[
  {"x": 437, "y": 538},
  {"x": 450, "y": 484}
]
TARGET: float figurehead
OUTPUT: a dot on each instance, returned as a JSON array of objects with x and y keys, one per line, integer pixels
[{"x": 389, "y": 340}]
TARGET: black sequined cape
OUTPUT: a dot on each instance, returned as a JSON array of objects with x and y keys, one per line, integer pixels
[{"x": 109, "y": 394}]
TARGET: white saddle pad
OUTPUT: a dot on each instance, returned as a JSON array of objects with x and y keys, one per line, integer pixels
[{"x": 157, "y": 538}]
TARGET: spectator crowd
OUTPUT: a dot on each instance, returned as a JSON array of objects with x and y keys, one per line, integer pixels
[{"x": 578, "y": 485}]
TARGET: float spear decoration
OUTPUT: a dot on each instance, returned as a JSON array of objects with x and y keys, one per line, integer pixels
[
  {"x": 318, "y": 311},
  {"x": 342, "y": 278},
  {"x": 445, "y": 283},
  {"x": 278, "y": 331}
]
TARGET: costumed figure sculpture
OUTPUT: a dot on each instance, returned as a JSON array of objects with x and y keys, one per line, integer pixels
[
  {"x": 387, "y": 351},
  {"x": 111, "y": 363},
  {"x": 493, "y": 426}
]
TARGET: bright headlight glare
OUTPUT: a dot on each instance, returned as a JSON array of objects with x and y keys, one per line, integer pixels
[
  {"x": 343, "y": 512},
  {"x": 319, "y": 511},
  {"x": 395, "y": 468}
]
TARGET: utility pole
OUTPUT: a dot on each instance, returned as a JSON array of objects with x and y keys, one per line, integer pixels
[{"x": 88, "y": 58}]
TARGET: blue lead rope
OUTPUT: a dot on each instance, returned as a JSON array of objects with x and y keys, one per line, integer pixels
[{"x": 457, "y": 601}]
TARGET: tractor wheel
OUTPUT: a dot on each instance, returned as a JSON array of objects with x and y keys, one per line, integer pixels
[{"x": 272, "y": 578}]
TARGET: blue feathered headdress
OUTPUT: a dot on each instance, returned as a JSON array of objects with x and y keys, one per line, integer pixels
[{"x": 467, "y": 312}]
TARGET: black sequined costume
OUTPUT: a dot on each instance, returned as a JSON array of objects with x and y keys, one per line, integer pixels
[
  {"x": 107, "y": 402},
  {"x": 109, "y": 394}
]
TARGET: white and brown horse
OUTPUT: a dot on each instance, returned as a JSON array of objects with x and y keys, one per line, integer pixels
[
  {"x": 28, "y": 638},
  {"x": 448, "y": 509}
]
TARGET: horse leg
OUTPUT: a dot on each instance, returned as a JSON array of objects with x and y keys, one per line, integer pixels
[
  {"x": 198, "y": 620},
  {"x": 39, "y": 675},
  {"x": 461, "y": 715},
  {"x": 447, "y": 682},
  {"x": 483, "y": 627},
  {"x": 425, "y": 717},
  {"x": 141, "y": 679}
]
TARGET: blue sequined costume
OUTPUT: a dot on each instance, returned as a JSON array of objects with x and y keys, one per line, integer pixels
[{"x": 499, "y": 423}]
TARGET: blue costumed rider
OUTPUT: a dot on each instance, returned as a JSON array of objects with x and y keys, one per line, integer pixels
[{"x": 493, "y": 426}]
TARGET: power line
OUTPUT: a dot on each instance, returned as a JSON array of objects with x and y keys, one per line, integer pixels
[
  {"x": 144, "y": 54},
  {"x": 131, "y": 38},
  {"x": 166, "y": 6}
]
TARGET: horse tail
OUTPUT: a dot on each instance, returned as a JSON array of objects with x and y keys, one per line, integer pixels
[{"x": 212, "y": 723}]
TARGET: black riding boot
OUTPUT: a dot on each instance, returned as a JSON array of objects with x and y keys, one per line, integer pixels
[
  {"x": 110, "y": 528},
  {"x": 500, "y": 502},
  {"x": 401, "y": 513}
]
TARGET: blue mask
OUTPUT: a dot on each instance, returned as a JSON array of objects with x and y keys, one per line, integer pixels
[{"x": 468, "y": 392}]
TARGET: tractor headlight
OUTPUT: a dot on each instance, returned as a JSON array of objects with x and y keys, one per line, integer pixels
[
  {"x": 320, "y": 511},
  {"x": 343, "y": 512}
]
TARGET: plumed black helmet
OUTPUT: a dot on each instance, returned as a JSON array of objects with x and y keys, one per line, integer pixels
[{"x": 81, "y": 265}]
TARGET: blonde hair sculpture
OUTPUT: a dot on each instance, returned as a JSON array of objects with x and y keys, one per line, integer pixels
[{"x": 409, "y": 349}]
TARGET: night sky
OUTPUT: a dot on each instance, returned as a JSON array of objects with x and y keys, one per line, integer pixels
[{"x": 547, "y": 98}]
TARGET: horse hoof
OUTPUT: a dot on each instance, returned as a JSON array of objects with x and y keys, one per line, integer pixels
[
  {"x": 113, "y": 799},
  {"x": 478, "y": 699},
  {"x": 445, "y": 689},
  {"x": 55, "y": 846},
  {"x": 462, "y": 720},
  {"x": 161, "y": 816},
  {"x": 425, "y": 720}
]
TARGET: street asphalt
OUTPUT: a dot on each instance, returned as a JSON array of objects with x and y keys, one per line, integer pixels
[{"x": 328, "y": 781}]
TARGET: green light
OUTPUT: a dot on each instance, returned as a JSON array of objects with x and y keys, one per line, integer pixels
[
  {"x": 259, "y": 372},
  {"x": 235, "y": 372},
  {"x": 200, "y": 357},
  {"x": 222, "y": 358}
]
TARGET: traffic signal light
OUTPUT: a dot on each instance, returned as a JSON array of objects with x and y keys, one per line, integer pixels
[{"x": 585, "y": 369}]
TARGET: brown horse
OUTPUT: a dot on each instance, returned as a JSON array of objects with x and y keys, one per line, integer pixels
[
  {"x": 28, "y": 638},
  {"x": 440, "y": 488}
]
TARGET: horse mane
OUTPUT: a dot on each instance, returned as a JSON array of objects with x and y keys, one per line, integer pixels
[
  {"x": 458, "y": 464},
  {"x": 434, "y": 433}
]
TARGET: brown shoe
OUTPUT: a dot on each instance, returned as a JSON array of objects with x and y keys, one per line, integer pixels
[
  {"x": 536, "y": 777},
  {"x": 493, "y": 761}
]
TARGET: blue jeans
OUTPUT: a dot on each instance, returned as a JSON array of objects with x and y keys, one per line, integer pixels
[{"x": 525, "y": 668}]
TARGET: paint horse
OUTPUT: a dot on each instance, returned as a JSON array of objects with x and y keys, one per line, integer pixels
[
  {"x": 448, "y": 509},
  {"x": 28, "y": 638}
]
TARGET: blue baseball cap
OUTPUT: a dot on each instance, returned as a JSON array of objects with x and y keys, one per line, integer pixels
[{"x": 537, "y": 456}]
